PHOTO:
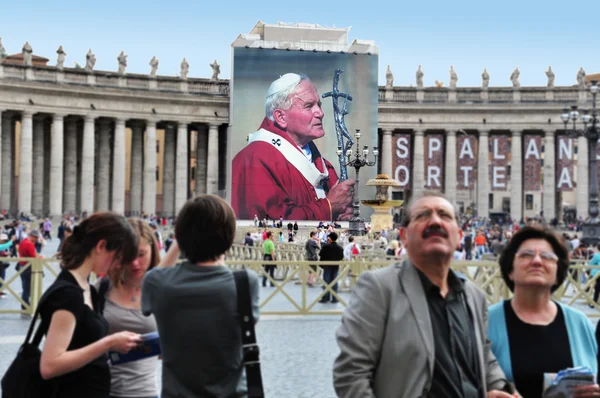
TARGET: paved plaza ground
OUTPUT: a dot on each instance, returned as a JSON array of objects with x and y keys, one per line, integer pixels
[{"x": 297, "y": 352}]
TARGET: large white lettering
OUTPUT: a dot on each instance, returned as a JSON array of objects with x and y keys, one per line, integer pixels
[
  {"x": 435, "y": 144},
  {"x": 402, "y": 147},
  {"x": 466, "y": 150},
  {"x": 496, "y": 154},
  {"x": 565, "y": 179},
  {"x": 403, "y": 168},
  {"x": 466, "y": 170},
  {"x": 532, "y": 150},
  {"x": 565, "y": 149},
  {"x": 498, "y": 177},
  {"x": 433, "y": 173}
]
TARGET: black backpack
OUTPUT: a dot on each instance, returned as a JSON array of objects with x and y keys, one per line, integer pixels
[{"x": 23, "y": 378}]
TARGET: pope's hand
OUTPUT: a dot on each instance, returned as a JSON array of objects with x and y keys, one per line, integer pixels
[
  {"x": 346, "y": 215},
  {"x": 340, "y": 196}
]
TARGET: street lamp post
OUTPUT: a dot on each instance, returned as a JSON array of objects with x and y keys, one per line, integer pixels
[
  {"x": 591, "y": 131},
  {"x": 357, "y": 223}
]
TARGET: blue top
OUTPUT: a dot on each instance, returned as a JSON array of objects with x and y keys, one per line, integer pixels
[
  {"x": 595, "y": 261},
  {"x": 579, "y": 328}
]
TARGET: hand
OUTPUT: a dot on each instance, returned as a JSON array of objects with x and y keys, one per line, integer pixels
[
  {"x": 501, "y": 394},
  {"x": 340, "y": 196},
  {"x": 346, "y": 215},
  {"x": 123, "y": 342},
  {"x": 13, "y": 238},
  {"x": 587, "y": 391}
]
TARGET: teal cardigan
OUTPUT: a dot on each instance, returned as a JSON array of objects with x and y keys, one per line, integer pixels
[{"x": 581, "y": 333}]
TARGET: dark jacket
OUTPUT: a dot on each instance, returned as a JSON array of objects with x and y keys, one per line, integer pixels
[{"x": 331, "y": 252}]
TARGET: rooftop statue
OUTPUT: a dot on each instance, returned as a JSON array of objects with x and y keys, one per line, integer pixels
[
  {"x": 60, "y": 59},
  {"x": 122, "y": 59},
  {"x": 90, "y": 61},
  {"x": 551, "y": 76},
  {"x": 453, "y": 77},
  {"x": 27, "y": 54},
  {"x": 514, "y": 78},
  {"x": 185, "y": 68},
  {"x": 419, "y": 77},
  {"x": 389, "y": 78},
  {"x": 216, "y": 68},
  {"x": 153, "y": 66},
  {"x": 485, "y": 78}
]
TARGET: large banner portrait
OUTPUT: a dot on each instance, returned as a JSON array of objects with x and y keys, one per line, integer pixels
[{"x": 289, "y": 142}]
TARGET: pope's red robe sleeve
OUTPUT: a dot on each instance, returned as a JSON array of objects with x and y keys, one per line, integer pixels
[{"x": 265, "y": 183}]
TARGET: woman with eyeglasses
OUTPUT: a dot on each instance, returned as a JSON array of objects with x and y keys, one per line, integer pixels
[{"x": 531, "y": 334}]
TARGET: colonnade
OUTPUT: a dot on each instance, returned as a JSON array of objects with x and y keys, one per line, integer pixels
[
  {"x": 77, "y": 163},
  {"x": 511, "y": 165}
]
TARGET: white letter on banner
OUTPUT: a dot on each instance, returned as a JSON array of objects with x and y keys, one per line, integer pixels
[
  {"x": 532, "y": 149},
  {"x": 397, "y": 175},
  {"x": 402, "y": 145},
  {"x": 496, "y": 154},
  {"x": 466, "y": 150},
  {"x": 565, "y": 147},
  {"x": 497, "y": 175},
  {"x": 466, "y": 170},
  {"x": 433, "y": 173},
  {"x": 435, "y": 144},
  {"x": 564, "y": 178}
]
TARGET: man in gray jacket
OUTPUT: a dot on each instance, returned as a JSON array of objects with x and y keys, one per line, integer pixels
[{"x": 416, "y": 328}]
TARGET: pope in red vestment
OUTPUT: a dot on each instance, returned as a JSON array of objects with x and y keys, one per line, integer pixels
[{"x": 265, "y": 183}]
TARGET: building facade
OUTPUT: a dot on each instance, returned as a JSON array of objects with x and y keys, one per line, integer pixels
[{"x": 77, "y": 139}]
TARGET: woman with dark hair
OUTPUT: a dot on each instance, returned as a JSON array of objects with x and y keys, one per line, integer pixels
[
  {"x": 531, "y": 334},
  {"x": 123, "y": 310},
  {"x": 74, "y": 354}
]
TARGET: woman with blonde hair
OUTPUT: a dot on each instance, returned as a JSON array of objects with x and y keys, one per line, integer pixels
[
  {"x": 123, "y": 288},
  {"x": 394, "y": 249}
]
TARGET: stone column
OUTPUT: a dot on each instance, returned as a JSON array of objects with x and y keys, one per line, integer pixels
[
  {"x": 516, "y": 176},
  {"x": 103, "y": 167},
  {"x": 450, "y": 172},
  {"x": 583, "y": 188},
  {"x": 181, "y": 167},
  {"x": 201, "y": 159},
  {"x": 119, "y": 165},
  {"x": 87, "y": 165},
  {"x": 135, "y": 184},
  {"x": 169, "y": 172},
  {"x": 418, "y": 177},
  {"x": 6, "y": 131},
  {"x": 37, "y": 173},
  {"x": 549, "y": 197},
  {"x": 47, "y": 162},
  {"x": 25, "y": 163},
  {"x": 56, "y": 165},
  {"x": 483, "y": 174},
  {"x": 149, "y": 192},
  {"x": 212, "y": 164},
  {"x": 386, "y": 153},
  {"x": 70, "y": 178}
]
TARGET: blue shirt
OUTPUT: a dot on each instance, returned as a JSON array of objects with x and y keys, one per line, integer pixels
[{"x": 595, "y": 261}]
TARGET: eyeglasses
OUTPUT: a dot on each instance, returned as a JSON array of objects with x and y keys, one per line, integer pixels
[{"x": 528, "y": 254}]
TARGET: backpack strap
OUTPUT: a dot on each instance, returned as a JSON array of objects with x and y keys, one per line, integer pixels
[
  {"x": 250, "y": 350},
  {"x": 43, "y": 326}
]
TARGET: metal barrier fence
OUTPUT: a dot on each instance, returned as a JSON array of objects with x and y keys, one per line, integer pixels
[{"x": 292, "y": 294}]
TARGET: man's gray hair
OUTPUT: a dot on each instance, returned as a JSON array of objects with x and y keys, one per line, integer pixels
[
  {"x": 426, "y": 194},
  {"x": 282, "y": 99}
]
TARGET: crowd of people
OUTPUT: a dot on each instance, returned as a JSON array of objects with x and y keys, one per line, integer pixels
[{"x": 415, "y": 328}]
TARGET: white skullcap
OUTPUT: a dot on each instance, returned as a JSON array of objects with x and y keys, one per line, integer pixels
[{"x": 283, "y": 83}]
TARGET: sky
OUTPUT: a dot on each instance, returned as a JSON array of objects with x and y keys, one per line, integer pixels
[{"x": 469, "y": 35}]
